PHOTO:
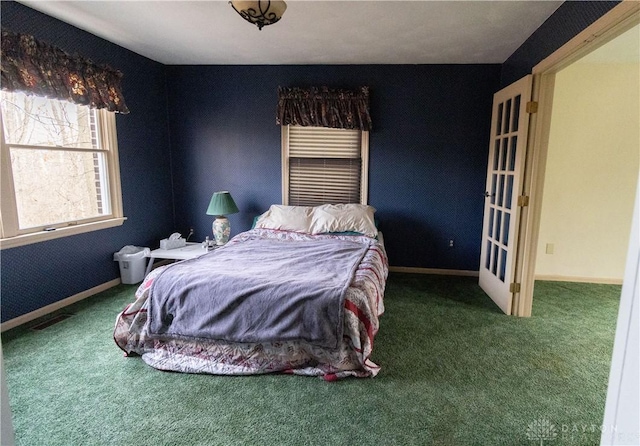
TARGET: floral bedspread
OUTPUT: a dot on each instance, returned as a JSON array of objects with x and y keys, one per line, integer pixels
[{"x": 363, "y": 306}]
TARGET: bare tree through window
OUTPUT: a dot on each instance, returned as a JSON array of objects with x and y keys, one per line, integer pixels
[{"x": 57, "y": 164}]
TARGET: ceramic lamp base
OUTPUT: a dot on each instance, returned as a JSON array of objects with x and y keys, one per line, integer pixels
[{"x": 221, "y": 230}]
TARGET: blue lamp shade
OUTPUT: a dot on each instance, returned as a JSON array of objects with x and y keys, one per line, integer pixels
[{"x": 221, "y": 204}]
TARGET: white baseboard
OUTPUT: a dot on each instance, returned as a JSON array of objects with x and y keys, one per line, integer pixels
[
  {"x": 436, "y": 271},
  {"x": 600, "y": 280},
  {"x": 460, "y": 272},
  {"x": 57, "y": 305}
]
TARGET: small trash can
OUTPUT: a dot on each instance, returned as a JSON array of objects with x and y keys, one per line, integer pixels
[{"x": 132, "y": 263}]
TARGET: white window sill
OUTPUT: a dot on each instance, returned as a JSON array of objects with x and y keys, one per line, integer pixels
[{"x": 35, "y": 237}]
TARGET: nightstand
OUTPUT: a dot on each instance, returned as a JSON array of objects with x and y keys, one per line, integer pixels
[{"x": 191, "y": 251}]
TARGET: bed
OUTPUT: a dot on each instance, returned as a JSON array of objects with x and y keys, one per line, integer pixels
[{"x": 300, "y": 293}]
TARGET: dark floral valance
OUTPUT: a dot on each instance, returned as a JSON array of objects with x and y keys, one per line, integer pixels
[
  {"x": 324, "y": 107},
  {"x": 34, "y": 67}
]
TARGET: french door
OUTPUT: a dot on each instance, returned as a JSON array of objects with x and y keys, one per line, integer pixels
[{"x": 503, "y": 199}]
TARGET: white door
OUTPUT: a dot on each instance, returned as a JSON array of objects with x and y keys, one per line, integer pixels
[{"x": 503, "y": 201}]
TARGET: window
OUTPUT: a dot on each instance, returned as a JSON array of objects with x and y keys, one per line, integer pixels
[
  {"x": 324, "y": 165},
  {"x": 59, "y": 173}
]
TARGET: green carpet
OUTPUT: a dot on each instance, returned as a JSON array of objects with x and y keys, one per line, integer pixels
[{"x": 455, "y": 371}]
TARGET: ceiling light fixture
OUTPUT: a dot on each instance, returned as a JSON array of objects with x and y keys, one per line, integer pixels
[{"x": 261, "y": 12}]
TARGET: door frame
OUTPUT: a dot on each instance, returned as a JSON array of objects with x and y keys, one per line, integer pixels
[{"x": 621, "y": 18}]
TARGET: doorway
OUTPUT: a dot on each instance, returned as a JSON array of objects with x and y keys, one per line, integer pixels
[
  {"x": 620, "y": 19},
  {"x": 592, "y": 163}
]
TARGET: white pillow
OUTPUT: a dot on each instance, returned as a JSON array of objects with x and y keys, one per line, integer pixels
[
  {"x": 286, "y": 218},
  {"x": 344, "y": 218}
]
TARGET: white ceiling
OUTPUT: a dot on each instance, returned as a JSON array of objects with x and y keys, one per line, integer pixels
[{"x": 311, "y": 32}]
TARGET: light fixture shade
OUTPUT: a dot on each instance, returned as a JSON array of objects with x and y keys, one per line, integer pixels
[
  {"x": 222, "y": 204},
  {"x": 261, "y": 12}
]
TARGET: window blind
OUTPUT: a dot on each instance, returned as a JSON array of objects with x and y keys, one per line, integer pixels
[{"x": 325, "y": 166}]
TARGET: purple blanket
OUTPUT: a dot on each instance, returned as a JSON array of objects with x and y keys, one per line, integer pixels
[{"x": 261, "y": 290}]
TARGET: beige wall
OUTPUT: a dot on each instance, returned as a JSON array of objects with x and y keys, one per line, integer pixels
[{"x": 591, "y": 173}]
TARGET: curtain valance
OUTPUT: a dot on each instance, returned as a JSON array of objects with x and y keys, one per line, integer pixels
[
  {"x": 34, "y": 67},
  {"x": 324, "y": 107}
]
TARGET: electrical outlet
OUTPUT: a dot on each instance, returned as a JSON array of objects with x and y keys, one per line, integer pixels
[
  {"x": 450, "y": 243},
  {"x": 549, "y": 248}
]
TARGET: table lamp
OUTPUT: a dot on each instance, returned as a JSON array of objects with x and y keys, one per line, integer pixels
[{"x": 221, "y": 204}]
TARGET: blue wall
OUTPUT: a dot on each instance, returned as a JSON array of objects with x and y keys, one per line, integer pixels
[
  {"x": 427, "y": 162},
  {"x": 42, "y": 273},
  {"x": 428, "y": 149}
]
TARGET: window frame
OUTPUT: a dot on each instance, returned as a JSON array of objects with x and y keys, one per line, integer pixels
[
  {"x": 364, "y": 165},
  {"x": 10, "y": 234}
]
